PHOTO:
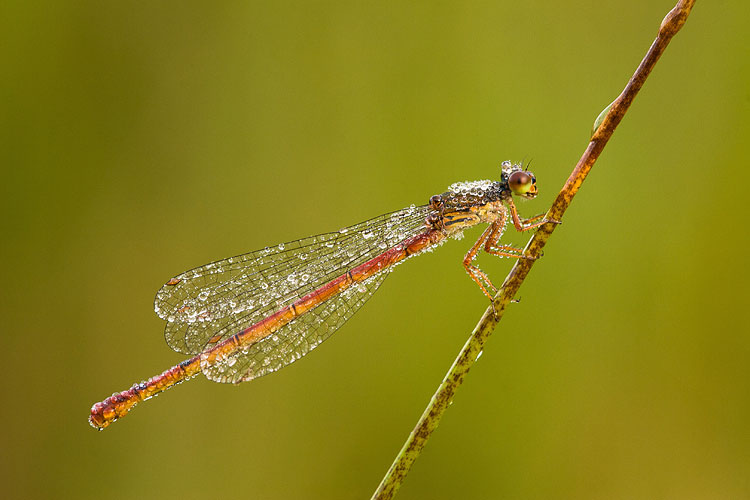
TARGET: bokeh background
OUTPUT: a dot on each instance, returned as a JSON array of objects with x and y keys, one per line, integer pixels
[{"x": 139, "y": 140}]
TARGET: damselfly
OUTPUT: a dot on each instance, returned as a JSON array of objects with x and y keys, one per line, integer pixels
[{"x": 246, "y": 316}]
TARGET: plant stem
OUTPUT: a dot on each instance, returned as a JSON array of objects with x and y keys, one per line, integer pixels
[{"x": 440, "y": 401}]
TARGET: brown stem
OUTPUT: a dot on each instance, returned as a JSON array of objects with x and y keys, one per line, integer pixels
[{"x": 440, "y": 401}]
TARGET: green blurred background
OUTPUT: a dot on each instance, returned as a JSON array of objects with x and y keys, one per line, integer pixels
[{"x": 140, "y": 140}]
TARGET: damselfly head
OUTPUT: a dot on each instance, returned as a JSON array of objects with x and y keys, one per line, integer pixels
[{"x": 520, "y": 182}]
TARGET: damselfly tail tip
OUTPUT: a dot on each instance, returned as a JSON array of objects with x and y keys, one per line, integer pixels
[
  {"x": 95, "y": 418},
  {"x": 101, "y": 416}
]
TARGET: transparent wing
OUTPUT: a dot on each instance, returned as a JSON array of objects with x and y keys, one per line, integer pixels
[
  {"x": 207, "y": 304},
  {"x": 293, "y": 340}
]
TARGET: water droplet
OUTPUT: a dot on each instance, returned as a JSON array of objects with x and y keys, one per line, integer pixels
[
  {"x": 281, "y": 247},
  {"x": 203, "y": 296}
]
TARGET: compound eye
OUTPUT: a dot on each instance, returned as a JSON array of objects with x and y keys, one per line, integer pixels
[{"x": 520, "y": 182}]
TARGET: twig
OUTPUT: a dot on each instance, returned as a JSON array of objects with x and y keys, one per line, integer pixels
[{"x": 440, "y": 401}]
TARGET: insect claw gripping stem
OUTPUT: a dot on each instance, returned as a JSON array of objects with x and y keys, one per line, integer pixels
[{"x": 494, "y": 310}]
